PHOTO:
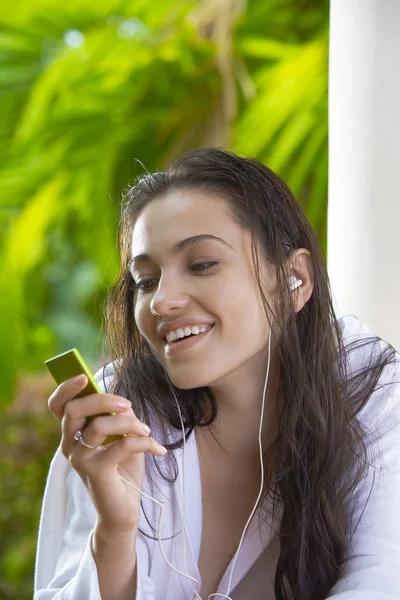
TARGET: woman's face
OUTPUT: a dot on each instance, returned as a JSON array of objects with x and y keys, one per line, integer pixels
[{"x": 207, "y": 281}]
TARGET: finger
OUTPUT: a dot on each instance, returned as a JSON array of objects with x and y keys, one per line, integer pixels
[
  {"x": 98, "y": 403},
  {"x": 128, "y": 447},
  {"x": 95, "y": 404},
  {"x": 84, "y": 460},
  {"x": 102, "y": 426},
  {"x": 64, "y": 392}
]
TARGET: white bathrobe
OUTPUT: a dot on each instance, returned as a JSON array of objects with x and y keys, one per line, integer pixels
[{"x": 65, "y": 568}]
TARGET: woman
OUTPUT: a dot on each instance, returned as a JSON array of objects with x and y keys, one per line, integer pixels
[{"x": 216, "y": 249}]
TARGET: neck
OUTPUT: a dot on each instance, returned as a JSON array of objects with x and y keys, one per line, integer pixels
[{"x": 233, "y": 438}]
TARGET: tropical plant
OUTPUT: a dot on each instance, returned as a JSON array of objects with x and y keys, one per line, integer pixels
[{"x": 92, "y": 94}]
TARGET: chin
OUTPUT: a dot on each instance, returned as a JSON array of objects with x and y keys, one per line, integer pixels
[
  {"x": 188, "y": 383},
  {"x": 188, "y": 378}
]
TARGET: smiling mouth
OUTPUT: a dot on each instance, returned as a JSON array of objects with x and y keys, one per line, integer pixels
[
  {"x": 184, "y": 343},
  {"x": 185, "y": 337}
]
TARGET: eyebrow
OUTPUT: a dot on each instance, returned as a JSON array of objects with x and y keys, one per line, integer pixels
[{"x": 179, "y": 246}]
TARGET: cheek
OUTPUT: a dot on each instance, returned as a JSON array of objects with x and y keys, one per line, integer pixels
[
  {"x": 141, "y": 315},
  {"x": 245, "y": 318}
]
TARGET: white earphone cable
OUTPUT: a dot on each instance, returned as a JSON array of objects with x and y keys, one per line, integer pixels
[{"x": 226, "y": 596}]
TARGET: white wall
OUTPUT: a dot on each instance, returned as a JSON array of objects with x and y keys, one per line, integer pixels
[{"x": 364, "y": 170}]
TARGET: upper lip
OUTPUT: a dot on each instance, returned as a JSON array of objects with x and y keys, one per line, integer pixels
[{"x": 173, "y": 325}]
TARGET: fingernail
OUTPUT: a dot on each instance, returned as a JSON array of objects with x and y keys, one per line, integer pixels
[
  {"x": 123, "y": 405},
  {"x": 146, "y": 429},
  {"x": 79, "y": 378},
  {"x": 163, "y": 450}
]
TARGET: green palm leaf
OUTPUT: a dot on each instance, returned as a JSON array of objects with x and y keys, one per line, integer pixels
[{"x": 87, "y": 92}]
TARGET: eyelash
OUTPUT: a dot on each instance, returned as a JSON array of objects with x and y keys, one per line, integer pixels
[{"x": 204, "y": 266}]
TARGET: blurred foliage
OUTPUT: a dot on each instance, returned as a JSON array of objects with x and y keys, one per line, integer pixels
[
  {"x": 92, "y": 95},
  {"x": 27, "y": 443}
]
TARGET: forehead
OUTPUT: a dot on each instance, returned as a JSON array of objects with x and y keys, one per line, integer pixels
[{"x": 182, "y": 213}]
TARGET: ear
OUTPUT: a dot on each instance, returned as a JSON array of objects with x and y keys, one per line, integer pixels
[{"x": 300, "y": 265}]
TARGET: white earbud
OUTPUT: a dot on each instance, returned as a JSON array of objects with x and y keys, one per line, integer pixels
[{"x": 294, "y": 282}]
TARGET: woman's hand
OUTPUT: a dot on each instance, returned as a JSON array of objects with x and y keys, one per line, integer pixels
[{"x": 117, "y": 504}]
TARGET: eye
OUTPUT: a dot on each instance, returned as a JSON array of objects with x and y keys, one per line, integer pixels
[
  {"x": 203, "y": 266},
  {"x": 146, "y": 284},
  {"x": 142, "y": 285}
]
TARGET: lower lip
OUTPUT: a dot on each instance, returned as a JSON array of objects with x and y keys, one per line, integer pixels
[{"x": 178, "y": 347}]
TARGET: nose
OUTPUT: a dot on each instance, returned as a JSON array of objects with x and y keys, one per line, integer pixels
[{"x": 168, "y": 297}]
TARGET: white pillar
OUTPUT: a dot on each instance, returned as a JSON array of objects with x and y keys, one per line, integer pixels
[{"x": 364, "y": 170}]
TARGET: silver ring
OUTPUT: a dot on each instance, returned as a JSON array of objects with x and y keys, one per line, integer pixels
[{"x": 79, "y": 438}]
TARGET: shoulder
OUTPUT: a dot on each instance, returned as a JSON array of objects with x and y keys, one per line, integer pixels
[
  {"x": 363, "y": 347},
  {"x": 380, "y": 416}
]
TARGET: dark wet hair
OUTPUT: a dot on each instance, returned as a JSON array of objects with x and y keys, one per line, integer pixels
[{"x": 320, "y": 455}]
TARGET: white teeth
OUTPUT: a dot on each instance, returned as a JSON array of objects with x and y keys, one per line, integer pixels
[{"x": 181, "y": 333}]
